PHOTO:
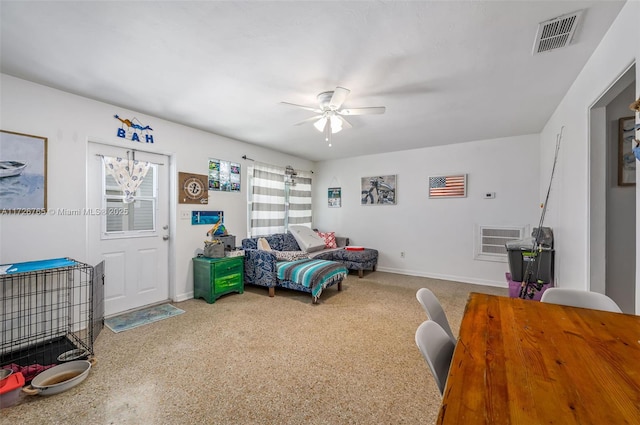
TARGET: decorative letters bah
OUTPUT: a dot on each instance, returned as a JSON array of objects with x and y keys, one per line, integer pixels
[{"x": 134, "y": 130}]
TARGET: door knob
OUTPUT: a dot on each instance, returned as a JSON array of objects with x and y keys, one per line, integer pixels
[{"x": 165, "y": 238}]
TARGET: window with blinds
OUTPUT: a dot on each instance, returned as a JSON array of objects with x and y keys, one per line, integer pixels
[{"x": 130, "y": 218}]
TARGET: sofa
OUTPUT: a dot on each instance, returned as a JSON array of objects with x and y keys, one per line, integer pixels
[
  {"x": 261, "y": 265},
  {"x": 262, "y": 256}
]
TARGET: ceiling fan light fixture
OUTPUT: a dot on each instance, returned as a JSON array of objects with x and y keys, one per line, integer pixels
[
  {"x": 330, "y": 118},
  {"x": 320, "y": 124},
  {"x": 336, "y": 124}
]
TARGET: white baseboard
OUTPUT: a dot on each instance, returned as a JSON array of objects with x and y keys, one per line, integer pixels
[
  {"x": 183, "y": 297},
  {"x": 463, "y": 279}
]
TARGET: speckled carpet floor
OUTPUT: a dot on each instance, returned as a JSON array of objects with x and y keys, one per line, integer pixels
[{"x": 251, "y": 359}]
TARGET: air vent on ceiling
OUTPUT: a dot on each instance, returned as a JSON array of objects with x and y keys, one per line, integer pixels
[{"x": 556, "y": 33}]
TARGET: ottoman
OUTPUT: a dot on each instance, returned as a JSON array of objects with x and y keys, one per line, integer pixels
[{"x": 365, "y": 259}]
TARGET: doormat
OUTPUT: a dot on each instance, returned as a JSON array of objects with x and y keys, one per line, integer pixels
[{"x": 133, "y": 319}]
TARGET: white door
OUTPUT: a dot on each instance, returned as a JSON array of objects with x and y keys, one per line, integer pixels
[{"x": 131, "y": 238}]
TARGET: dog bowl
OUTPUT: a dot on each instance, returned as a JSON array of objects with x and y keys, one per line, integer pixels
[
  {"x": 77, "y": 354},
  {"x": 59, "y": 378}
]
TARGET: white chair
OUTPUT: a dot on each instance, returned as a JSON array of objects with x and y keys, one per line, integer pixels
[
  {"x": 437, "y": 349},
  {"x": 579, "y": 298},
  {"x": 434, "y": 310}
]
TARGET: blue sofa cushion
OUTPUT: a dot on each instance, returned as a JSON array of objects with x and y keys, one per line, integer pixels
[
  {"x": 289, "y": 243},
  {"x": 277, "y": 242}
]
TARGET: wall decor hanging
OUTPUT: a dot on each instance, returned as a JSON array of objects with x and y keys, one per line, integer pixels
[
  {"x": 335, "y": 197},
  {"x": 23, "y": 173},
  {"x": 454, "y": 186},
  {"x": 134, "y": 130},
  {"x": 378, "y": 190},
  {"x": 224, "y": 175},
  {"x": 192, "y": 188},
  {"x": 207, "y": 217},
  {"x": 626, "y": 157}
]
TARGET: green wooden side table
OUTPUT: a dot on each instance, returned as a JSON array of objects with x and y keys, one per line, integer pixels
[{"x": 214, "y": 277}]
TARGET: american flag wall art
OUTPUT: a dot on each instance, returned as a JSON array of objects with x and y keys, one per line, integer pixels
[{"x": 454, "y": 186}]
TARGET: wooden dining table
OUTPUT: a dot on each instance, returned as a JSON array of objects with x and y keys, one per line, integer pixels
[{"x": 526, "y": 362}]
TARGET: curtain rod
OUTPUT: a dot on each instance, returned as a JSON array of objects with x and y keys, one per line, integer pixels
[
  {"x": 250, "y": 159},
  {"x": 155, "y": 163}
]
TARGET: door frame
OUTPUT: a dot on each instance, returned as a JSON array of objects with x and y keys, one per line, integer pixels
[
  {"x": 598, "y": 170},
  {"x": 172, "y": 200}
]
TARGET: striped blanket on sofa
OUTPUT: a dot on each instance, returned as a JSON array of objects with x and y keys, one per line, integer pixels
[{"x": 310, "y": 273}]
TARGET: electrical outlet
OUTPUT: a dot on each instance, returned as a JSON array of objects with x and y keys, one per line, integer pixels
[
  {"x": 185, "y": 215},
  {"x": 402, "y": 254}
]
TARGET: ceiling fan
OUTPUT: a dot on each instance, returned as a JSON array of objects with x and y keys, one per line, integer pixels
[{"x": 330, "y": 115}]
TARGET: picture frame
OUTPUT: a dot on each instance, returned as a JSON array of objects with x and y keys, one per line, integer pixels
[
  {"x": 223, "y": 175},
  {"x": 378, "y": 190},
  {"x": 206, "y": 217},
  {"x": 334, "y": 195},
  {"x": 448, "y": 186},
  {"x": 192, "y": 188},
  {"x": 23, "y": 173},
  {"x": 626, "y": 157}
]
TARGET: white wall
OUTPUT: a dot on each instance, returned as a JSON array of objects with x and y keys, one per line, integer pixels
[
  {"x": 437, "y": 235},
  {"x": 569, "y": 211},
  {"x": 70, "y": 122}
]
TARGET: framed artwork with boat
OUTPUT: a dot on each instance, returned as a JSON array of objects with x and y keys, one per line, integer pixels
[{"x": 23, "y": 173}]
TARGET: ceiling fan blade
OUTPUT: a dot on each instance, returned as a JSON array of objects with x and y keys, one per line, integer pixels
[
  {"x": 308, "y": 108},
  {"x": 312, "y": 119},
  {"x": 363, "y": 111},
  {"x": 339, "y": 96},
  {"x": 345, "y": 123}
]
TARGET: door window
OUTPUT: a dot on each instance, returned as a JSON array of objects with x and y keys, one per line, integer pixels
[{"x": 135, "y": 218}]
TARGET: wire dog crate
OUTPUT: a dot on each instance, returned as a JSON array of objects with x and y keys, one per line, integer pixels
[{"x": 49, "y": 308}]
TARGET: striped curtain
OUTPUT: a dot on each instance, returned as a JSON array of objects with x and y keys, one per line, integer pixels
[
  {"x": 299, "y": 195},
  {"x": 267, "y": 202},
  {"x": 274, "y": 204}
]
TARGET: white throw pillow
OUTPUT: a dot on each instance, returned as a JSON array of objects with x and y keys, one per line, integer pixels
[
  {"x": 263, "y": 245},
  {"x": 307, "y": 239}
]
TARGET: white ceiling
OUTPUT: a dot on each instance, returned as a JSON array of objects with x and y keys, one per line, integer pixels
[{"x": 447, "y": 71}]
